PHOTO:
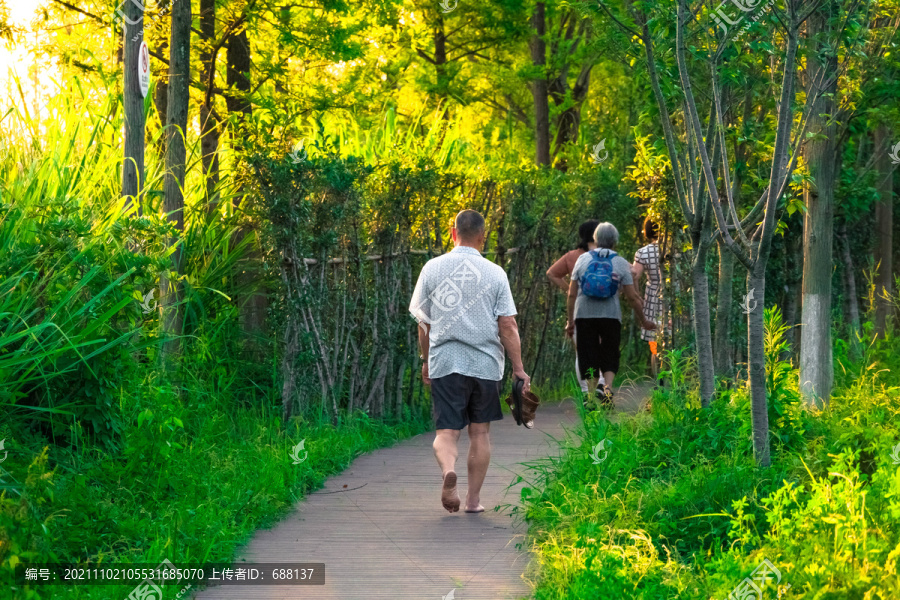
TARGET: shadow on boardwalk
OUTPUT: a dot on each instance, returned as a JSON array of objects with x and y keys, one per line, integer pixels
[{"x": 381, "y": 532}]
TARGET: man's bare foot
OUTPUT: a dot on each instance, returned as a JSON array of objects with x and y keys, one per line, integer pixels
[
  {"x": 449, "y": 495},
  {"x": 473, "y": 508}
]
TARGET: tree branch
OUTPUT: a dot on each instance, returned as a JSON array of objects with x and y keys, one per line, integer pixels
[
  {"x": 781, "y": 173},
  {"x": 618, "y": 22},
  {"x": 78, "y": 10},
  {"x": 226, "y": 35},
  {"x": 694, "y": 124},
  {"x": 665, "y": 117},
  {"x": 421, "y": 53}
]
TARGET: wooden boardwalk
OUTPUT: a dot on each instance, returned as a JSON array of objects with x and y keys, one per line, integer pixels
[{"x": 381, "y": 532}]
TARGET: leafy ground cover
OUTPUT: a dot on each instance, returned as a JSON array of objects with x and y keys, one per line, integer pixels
[
  {"x": 673, "y": 506},
  {"x": 113, "y": 455},
  {"x": 197, "y": 474}
]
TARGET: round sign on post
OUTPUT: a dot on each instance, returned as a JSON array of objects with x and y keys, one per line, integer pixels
[{"x": 144, "y": 69}]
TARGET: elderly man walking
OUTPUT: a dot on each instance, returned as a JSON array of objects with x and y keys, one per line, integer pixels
[{"x": 466, "y": 317}]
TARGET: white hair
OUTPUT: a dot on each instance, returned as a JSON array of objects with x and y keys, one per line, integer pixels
[{"x": 606, "y": 236}]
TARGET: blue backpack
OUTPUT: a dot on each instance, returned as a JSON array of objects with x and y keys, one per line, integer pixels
[{"x": 599, "y": 280}]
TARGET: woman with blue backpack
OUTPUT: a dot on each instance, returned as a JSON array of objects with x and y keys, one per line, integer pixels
[{"x": 595, "y": 316}]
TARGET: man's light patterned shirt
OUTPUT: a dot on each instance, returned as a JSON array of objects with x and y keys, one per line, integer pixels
[{"x": 460, "y": 295}]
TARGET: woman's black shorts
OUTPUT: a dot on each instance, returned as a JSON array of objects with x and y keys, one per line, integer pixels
[{"x": 598, "y": 345}]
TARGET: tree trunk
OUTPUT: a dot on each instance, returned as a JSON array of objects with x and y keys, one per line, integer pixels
[
  {"x": 237, "y": 75},
  {"x": 793, "y": 280},
  {"x": 161, "y": 90},
  {"x": 440, "y": 66},
  {"x": 253, "y": 308},
  {"x": 884, "y": 226},
  {"x": 851, "y": 303},
  {"x": 442, "y": 79},
  {"x": 569, "y": 119},
  {"x": 401, "y": 376},
  {"x": 209, "y": 132},
  {"x": 816, "y": 363},
  {"x": 173, "y": 182},
  {"x": 756, "y": 364},
  {"x": 133, "y": 101},
  {"x": 702, "y": 331},
  {"x": 161, "y": 100},
  {"x": 725, "y": 349},
  {"x": 567, "y": 128},
  {"x": 724, "y": 362},
  {"x": 289, "y": 367},
  {"x": 761, "y": 250},
  {"x": 539, "y": 87}
]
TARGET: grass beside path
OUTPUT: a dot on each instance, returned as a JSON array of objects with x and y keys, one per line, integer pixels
[
  {"x": 675, "y": 507},
  {"x": 193, "y": 479}
]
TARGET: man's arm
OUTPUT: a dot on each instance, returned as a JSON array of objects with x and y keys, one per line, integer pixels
[
  {"x": 634, "y": 299},
  {"x": 424, "y": 330},
  {"x": 509, "y": 337}
]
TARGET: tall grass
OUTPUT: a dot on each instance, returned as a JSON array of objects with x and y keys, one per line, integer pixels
[
  {"x": 66, "y": 278},
  {"x": 77, "y": 261},
  {"x": 193, "y": 479},
  {"x": 679, "y": 509},
  {"x": 113, "y": 459}
]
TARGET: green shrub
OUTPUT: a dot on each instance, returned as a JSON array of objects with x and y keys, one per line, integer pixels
[{"x": 679, "y": 509}]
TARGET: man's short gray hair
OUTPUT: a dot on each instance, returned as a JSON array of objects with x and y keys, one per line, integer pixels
[
  {"x": 606, "y": 236},
  {"x": 469, "y": 224}
]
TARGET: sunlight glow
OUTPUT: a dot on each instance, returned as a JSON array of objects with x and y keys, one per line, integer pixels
[{"x": 17, "y": 61}]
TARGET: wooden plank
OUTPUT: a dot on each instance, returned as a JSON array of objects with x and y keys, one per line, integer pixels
[{"x": 386, "y": 534}]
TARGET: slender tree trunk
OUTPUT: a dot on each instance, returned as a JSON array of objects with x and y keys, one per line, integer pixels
[
  {"x": 237, "y": 74},
  {"x": 161, "y": 90},
  {"x": 398, "y": 390},
  {"x": 756, "y": 363},
  {"x": 725, "y": 349},
  {"x": 133, "y": 164},
  {"x": 816, "y": 363},
  {"x": 288, "y": 368},
  {"x": 539, "y": 87},
  {"x": 884, "y": 226},
  {"x": 173, "y": 182},
  {"x": 569, "y": 119},
  {"x": 254, "y": 306},
  {"x": 791, "y": 313},
  {"x": 792, "y": 294},
  {"x": 209, "y": 132},
  {"x": 567, "y": 128},
  {"x": 724, "y": 361},
  {"x": 760, "y": 251},
  {"x": 442, "y": 78},
  {"x": 701, "y": 240},
  {"x": 440, "y": 65},
  {"x": 702, "y": 331},
  {"x": 161, "y": 100},
  {"x": 851, "y": 303}
]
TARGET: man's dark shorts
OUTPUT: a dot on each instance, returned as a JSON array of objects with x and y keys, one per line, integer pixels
[{"x": 458, "y": 400}]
